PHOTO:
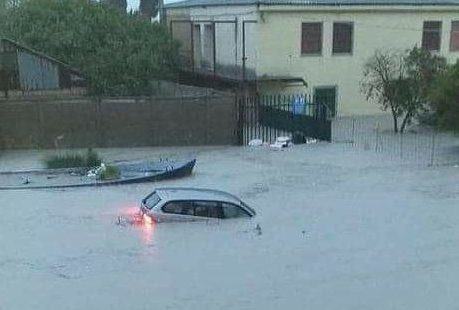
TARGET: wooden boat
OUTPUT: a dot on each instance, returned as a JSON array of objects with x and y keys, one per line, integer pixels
[{"x": 130, "y": 173}]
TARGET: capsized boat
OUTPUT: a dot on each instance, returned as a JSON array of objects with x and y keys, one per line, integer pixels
[{"x": 130, "y": 173}]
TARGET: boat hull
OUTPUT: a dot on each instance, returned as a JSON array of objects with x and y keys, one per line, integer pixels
[{"x": 129, "y": 175}]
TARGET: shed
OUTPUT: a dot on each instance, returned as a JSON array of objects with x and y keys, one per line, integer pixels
[{"x": 24, "y": 69}]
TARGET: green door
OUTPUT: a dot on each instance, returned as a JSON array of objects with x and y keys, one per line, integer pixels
[{"x": 326, "y": 96}]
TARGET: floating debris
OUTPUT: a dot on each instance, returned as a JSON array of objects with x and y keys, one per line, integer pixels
[
  {"x": 258, "y": 230},
  {"x": 255, "y": 142},
  {"x": 282, "y": 142}
]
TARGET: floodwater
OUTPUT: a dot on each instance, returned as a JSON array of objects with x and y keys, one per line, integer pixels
[{"x": 340, "y": 229}]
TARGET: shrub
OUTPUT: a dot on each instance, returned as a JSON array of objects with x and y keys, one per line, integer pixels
[
  {"x": 110, "y": 173},
  {"x": 92, "y": 158},
  {"x": 65, "y": 161},
  {"x": 74, "y": 160}
]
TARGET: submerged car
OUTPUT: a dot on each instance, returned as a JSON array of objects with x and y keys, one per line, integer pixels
[{"x": 191, "y": 204}]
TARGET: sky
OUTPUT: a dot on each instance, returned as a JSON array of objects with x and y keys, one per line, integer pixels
[{"x": 134, "y": 4}]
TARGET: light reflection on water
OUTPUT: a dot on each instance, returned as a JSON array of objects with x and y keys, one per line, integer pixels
[
  {"x": 145, "y": 225},
  {"x": 147, "y": 228}
]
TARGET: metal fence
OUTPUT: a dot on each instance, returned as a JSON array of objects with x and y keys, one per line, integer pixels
[
  {"x": 267, "y": 117},
  {"x": 417, "y": 146}
]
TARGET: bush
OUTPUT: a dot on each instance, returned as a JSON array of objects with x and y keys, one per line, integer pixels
[
  {"x": 65, "y": 161},
  {"x": 69, "y": 160},
  {"x": 110, "y": 173},
  {"x": 92, "y": 159}
]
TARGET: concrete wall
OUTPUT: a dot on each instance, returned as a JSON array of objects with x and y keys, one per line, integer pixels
[
  {"x": 121, "y": 122},
  {"x": 398, "y": 28}
]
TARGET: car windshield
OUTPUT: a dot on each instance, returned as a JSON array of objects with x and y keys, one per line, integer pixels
[{"x": 152, "y": 200}]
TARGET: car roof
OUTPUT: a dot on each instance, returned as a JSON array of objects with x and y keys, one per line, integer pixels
[{"x": 185, "y": 193}]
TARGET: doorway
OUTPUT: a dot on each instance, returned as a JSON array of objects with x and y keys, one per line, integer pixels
[{"x": 327, "y": 95}]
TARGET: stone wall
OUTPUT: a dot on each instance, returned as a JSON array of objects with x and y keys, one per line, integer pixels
[{"x": 83, "y": 122}]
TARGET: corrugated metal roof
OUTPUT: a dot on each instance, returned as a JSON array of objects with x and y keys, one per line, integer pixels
[{"x": 196, "y": 3}]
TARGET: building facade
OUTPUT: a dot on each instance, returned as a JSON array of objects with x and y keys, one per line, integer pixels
[{"x": 318, "y": 47}]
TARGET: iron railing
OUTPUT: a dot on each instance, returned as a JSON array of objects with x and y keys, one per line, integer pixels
[{"x": 266, "y": 117}]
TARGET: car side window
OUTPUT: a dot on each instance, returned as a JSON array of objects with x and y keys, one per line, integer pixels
[
  {"x": 178, "y": 207},
  {"x": 207, "y": 209},
  {"x": 233, "y": 211}
]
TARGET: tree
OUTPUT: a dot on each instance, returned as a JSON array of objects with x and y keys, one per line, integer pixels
[
  {"x": 148, "y": 8},
  {"x": 120, "y": 5},
  {"x": 422, "y": 67},
  {"x": 399, "y": 82},
  {"x": 118, "y": 53},
  {"x": 444, "y": 95},
  {"x": 382, "y": 76}
]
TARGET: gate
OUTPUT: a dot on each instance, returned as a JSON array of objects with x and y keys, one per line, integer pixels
[{"x": 269, "y": 116}]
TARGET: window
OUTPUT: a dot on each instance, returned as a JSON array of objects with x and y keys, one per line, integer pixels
[
  {"x": 454, "y": 45},
  {"x": 311, "y": 38},
  {"x": 178, "y": 207},
  {"x": 342, "y": 38},
  {"x": 207, "y": 209},
  {"x": 431, "y": 36},
  {"x": 197, "y": 47},
  {"x": 232, "y": 211},
  {"x": 207, "y": 60}
]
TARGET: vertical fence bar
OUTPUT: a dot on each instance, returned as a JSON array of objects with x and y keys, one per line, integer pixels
[
  {"x": 376, "y": 138},
  {"x": 432, "y": 149},
  {"x": 267, "y": 127},
  {"x": 247, "y": 117},
  {"x": 353, "y": 131},
  {"x": 257, "y": 128},
  {"x": 401, "y": 146},
  {"x": 244, "y": 113},
  {"x": 254, "y": 120}
]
